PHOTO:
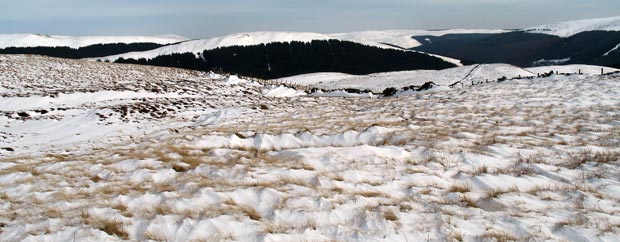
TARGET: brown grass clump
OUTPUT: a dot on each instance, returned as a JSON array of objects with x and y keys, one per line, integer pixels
[
  {"x": 275, "y": 228},
  {"x": 295, "y": 181},
  {"x": 246, "y": 209},
  {"x": 115, "y": 228},
  {"x": 460, "y": 188},
  {"x": 112, "y": 227},
  {"x": 390, "y": 215},
  {"x": 310, "y": 223},
  {"x": 480, "y": 170},
  {"x": 369, "y": 194},
  {"x": 499, "y": 236},
  {"x": 577, "y": 159},
  {"x": 499, "y": 191},
  {"x": 250, "y": 212}
]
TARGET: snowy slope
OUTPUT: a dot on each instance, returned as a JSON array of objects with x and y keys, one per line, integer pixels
[
  {"x": 202, "y": 157},
  {"x": 402, "y": 38},
  {"x": 396, "y": 39},
  {"x": 570, "y": 28},
  {"x": 241, "y": 39},
  {"x": 379, "y": 81},
  {"x": 37, "y": 40},
  {"x": 571, "y": 69}
]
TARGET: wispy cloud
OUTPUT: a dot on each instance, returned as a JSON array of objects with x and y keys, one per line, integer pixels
[{"x": 198, "y": 18}]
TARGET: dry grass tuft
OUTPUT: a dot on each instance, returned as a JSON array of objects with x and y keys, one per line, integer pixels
[
  {"x": 112, "y": 227},
  {"x": 369, "y": 193},
  {"x": 295, "y": 181},
  {"x": 275, "y": 228},
  {"x": 499, "y": 236},
  {"x": 250, "y": 212},
  {"x": 390, "y": 215},
  {"x": 480, "y": 170},
  {"x": 460, "y": 188},
  {"x": 499, "y": 191}
]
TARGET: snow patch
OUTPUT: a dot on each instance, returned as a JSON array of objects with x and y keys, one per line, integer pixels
[
  {"x": 75, "y": 99},
  {"x": 282, "y": 91},
  {"x": 552, "y": 62}
]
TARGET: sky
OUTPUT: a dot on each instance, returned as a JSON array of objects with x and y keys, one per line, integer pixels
[{"x": 210, "y": 18}]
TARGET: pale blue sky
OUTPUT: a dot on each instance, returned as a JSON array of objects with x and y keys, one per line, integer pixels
[{"x": 209, "y": 18}]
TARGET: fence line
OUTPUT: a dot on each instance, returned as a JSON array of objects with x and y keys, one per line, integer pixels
[{"x": 278, "y": 83}]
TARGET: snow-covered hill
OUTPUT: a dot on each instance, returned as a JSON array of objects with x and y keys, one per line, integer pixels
[
  {"x": 570, "y": 28},
  {"x": 95, "y": 151},
  {"x": 38, "y": 40},
  {"x": 379, "y": 81},
  {"x": 397, "y": 39},
  {"x": 241, "y": 39},
  {"x": 402, "y": 38}
]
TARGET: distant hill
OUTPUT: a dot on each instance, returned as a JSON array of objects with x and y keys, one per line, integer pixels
[
  {"x": 281, "y": 59},
  {"x": 240, "y": 39},
  {"x": 81, "y": 47},
  {"x": 75, "y": 42},
  {"x": 82, "y": 52},
  {"x": 570, "y": 28},
  {"x": 593, "y": 41}
]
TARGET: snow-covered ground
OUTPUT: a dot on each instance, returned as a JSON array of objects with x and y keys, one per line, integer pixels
[
  {"x": 573, "y": 69},
  {"x": 52, "y": 102},
  {"x": 38, "y": 40},
  {"x": 570, "y": 28},
  {"x": 467, "y": 75},
  {"x": 204, "y": 157}
]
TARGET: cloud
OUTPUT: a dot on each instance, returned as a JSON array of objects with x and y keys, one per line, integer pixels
[{"x": 200, "y": 18}]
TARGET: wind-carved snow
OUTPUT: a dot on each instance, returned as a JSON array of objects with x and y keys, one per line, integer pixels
[
  {"x": 525, "y": 159},
  {"x": 570, "y": 28},
  {"x": 38, "y": 40}
]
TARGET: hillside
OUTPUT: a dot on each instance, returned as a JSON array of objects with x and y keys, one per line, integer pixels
[
  {"x": 274, "y": 60},
  {"x": 591, "y": 41},
  {"x": 404, "y": 39},
  {"x": 241, "y": 39},
  {"x": 379, "y": 81},
  {"x": 89, "y": 51},
  {"x": 570, "y": 28},
  {"x": 392, "y": 39},
  {"x": 38, "y": 40},
  {"x": 94, "y": 151},
  {"x": 573, "y": 69}
]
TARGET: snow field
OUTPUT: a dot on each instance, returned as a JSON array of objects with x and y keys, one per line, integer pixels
[
  {"x": 517, "y": 160},
  {"x": 465, "y": 75}
]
